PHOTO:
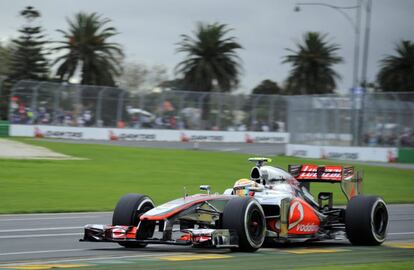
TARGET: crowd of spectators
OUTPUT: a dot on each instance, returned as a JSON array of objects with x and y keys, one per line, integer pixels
[{"x": 390, "y": 138}]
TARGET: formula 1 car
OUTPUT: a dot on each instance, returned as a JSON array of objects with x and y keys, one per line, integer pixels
[{"x": 274, "y": 205}]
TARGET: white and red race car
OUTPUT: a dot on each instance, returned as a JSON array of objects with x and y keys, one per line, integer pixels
[{"x": 272, "y": 206}]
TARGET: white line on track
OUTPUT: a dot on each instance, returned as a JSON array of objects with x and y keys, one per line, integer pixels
[
  {"x": 39, "y": 235},
  {"x": 41, "y": 251},
  {"x": 402, "y": 233},
  {"x": 55, "y": 214},
  {"x": 41, "y": 229},
  {"x": 45, "y": 218}
]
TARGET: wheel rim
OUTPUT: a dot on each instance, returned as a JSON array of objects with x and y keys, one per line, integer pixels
[
  {"x": 145, "y": 228},
  {"x": 379, "y": 221},
  {"x": 255, "y": 226}
]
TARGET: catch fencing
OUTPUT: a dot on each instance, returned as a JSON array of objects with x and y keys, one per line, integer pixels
[{"x": 370, "y": 119}]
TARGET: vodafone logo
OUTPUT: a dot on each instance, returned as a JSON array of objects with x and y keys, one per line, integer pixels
[
  {"x": 307, "y": 228},
  {"x": 296, "y": 207}
]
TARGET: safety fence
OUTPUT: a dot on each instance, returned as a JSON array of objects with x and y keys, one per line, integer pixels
[{"x": 370, "y": 119}]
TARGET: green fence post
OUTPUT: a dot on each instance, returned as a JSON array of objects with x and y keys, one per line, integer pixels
[{"x": 4, "y": 128}]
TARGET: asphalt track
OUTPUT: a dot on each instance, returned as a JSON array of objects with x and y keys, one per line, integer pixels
[{"x": 31, "y": 239}]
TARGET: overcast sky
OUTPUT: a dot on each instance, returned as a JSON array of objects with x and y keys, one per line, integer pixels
[{"x": 149, "y": 29}]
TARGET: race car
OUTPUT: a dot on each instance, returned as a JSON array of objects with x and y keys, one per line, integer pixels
[{"x": 272, "y": 206}]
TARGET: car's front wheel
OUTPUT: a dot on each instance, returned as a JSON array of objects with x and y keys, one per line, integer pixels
[
  {"x": 127, "y": 213},
  {"x": 245, "y": 216}
]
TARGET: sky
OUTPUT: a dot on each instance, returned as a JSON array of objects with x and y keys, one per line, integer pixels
[{"x": 150, "y": 29}]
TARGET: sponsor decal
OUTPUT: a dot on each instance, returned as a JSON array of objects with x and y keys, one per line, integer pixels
[
  {"x": 184, "y": 138},
  {"x": 131, "y": 136},
  {"x": 296, "y": 206},
  {"x": 248, "y": 138},
  {"x": 205, "y": 138},
  {"x": 324, "y": 173},
  {"x": 38, "y": 133},
  {"x": 300, "y": 153},
  {"x": 298, "y": 223},
  {"x": 342, "y": 155},
  {"x": 307, "y": 227},
  {"x": 112, "y": 136},
  {"x": 391, "y": 156},
  {"x": 264, "y": 139},
  {"x": 57, "y": 134}
]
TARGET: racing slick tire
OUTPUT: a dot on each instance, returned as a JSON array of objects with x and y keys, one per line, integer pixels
[
  {"x": 366, "y": 220},
  {"x": 127, "y": 213},
  {"x": 245, "y": 216}
]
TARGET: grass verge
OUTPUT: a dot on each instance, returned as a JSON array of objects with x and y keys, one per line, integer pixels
[{"x": 109, "y": 172}]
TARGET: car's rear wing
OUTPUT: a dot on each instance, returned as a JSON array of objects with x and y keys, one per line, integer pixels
[
  {"x": 347, "y": 176},
  {"x": 316, "y": 173}
]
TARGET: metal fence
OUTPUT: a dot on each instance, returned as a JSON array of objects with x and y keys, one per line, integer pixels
[{"x": 370, "y": 119}]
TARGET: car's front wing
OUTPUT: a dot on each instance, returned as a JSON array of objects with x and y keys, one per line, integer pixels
[{"x": 219, "y": 238}]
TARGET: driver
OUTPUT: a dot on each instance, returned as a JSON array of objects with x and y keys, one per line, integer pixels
[{"x": 243, "y": 186}]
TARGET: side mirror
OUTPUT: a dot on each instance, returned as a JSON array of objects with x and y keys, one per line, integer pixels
[{"x": 206, "y": 188}]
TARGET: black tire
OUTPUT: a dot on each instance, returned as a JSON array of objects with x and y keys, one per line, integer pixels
[
  {"x": 366, "y": 220},
  {"x": 245, "y": 216},
  {"x": 127, "y": 213}
]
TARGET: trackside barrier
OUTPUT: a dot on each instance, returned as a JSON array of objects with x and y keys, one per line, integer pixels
[
  {"x": 4, "y": 129},
  {"x": 378, "y": 154},
  {"x": 92, "y": 133},
  {"x": 406, "y": 155}
]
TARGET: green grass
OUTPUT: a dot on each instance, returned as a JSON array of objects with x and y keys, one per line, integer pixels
[
  {"x": 111, "y": 171},
  {"x": 377, "y": 258},
  {"x": 376, "y": 266},
  {"x": 254, "y": 264}
]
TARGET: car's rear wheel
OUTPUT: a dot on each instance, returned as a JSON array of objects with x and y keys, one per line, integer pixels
[
  {"x": 245, "y": 216},
  {"x": 366, "y": 220},
  {"x": 127, "y": 213}
]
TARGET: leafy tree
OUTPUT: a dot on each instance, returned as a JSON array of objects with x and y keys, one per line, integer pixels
[
  {"x": 28, "y": 60},
  {"x": 397, "y": 71},
  {"x": 5, "y": 55},
  {"x": 174, "y": 85},
  {"x": 267, "y": 87},
  {"x": 211, "y": 62},
  {"x": 312, "y": 62},
  {"x": 137, "y": 77},
  {"x": 87, "y": 49}
]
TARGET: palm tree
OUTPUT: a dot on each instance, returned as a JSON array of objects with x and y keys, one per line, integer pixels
[
  {"x": 312, "y": 62},
  {"x": 87, "y": 49},
  {"x": 397, "y": 71},
  {"x": 211, "y": 62}
]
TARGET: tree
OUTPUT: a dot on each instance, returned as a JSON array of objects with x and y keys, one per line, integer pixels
[
  {"x": 87, "y": 50},
  {"x": 28, "y": 60},
  {"x": 137, "y": 77},
  {"x": 173, "y": 85},
  {"x": 5, "y": 56},
  {"x": 211, "y": 61},
  {"x": 312, "y": 62},
  {"x": 267, "y": 87},
  {"x": 397, "y": 71}
]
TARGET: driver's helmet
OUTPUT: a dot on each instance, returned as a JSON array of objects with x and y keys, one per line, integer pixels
[{"x": 241, "y": 187}]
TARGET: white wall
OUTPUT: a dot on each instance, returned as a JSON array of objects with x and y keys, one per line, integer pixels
[
  {"x": 382, "y": 154},
  {"x": 91, "y": 133}
]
